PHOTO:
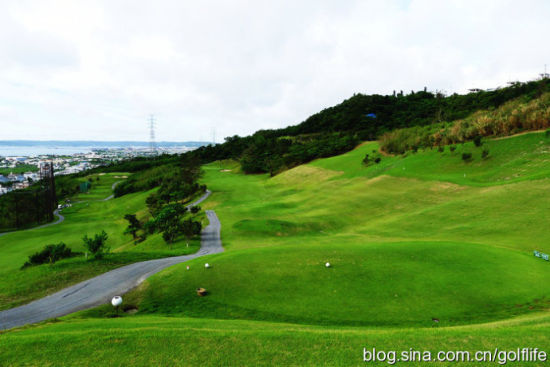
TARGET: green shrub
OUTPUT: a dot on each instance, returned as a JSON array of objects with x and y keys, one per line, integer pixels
[
  {"x": 96, "y": 245},
  {"x": 441, "y": 149},
  {"x": 50, "y": 254},
  {"x": 477, "y": 141},
  {"x": 466, "y": 156},
  {"x": 369, "y": 159},
  {"x": 485, "y": 153},
  {"x": 452, "y": 148}
]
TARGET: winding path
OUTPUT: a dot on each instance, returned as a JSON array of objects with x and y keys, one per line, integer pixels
[
  {"x": 100, "y": 290},
  {"x": 60, "y": 218},
  {"x": 113, "y": 189}
]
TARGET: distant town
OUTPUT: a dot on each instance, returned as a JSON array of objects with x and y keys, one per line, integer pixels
[{"x": 19, "y": 172}]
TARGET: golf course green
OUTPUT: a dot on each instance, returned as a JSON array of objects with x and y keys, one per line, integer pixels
[{"x": 426, "y": 251}]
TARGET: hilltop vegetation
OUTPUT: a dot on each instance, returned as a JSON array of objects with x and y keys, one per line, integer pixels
[
  {"x": 511, "y": 118},
  {"x": 340, "y": 128}
]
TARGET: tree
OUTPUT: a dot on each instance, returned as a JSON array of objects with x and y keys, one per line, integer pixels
[
  {"x": 134, "y": 225},
  {"x": 154, "y": 204},
  {"x": 169, "y": 215},
  {"x": 191, "y": 228},
  {"x": 96, "y": 245},
  {"x": 172, "y": 231}
]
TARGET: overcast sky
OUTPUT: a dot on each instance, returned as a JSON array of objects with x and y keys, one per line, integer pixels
[{"x": 95, "y": 70}]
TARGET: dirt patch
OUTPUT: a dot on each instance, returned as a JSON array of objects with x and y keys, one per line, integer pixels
[
  {"x": 446, "y": 186},
  {"x": 305, "y": 174}
]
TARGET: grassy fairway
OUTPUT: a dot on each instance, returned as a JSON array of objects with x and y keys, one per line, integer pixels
[
  {"x": 405, "y": 248},
  {"x": 88, "y": 215},
  {"x": 384, "y": 284},
  {"x": 169, "y": 341},
  {"x": 412, "y": 239}
]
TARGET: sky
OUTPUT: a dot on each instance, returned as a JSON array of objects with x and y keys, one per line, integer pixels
[{"x": 96, "y": 70}]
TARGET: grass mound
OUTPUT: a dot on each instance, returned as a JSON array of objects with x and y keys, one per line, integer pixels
[{"x": 381, "y": 284}]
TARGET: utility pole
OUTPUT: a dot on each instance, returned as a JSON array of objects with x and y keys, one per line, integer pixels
[{"x": 152, "y": 144}]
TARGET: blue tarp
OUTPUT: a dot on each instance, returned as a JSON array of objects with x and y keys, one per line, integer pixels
[{"x": 371, "y": 115}]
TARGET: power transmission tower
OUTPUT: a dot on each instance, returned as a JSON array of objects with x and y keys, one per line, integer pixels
[{"x": 152, "y": 144}]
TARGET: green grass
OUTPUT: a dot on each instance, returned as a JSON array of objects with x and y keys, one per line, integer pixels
[
  {"x": 88, "y": 215},
  {"x": 366, "y": 285},
  {"x": 514, "y": 159},
  {"x": 411, "y": 239},
  {"x": 170, "y": 341}
]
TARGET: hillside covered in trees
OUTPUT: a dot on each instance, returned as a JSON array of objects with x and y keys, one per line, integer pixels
[{"x": 340, "y": 128}]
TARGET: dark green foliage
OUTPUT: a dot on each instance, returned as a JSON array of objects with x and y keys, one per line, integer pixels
[
  {"x": 372, "y": 158},
  {"x": 441, "y": 149},
  {"x": 154, "y": 203},
  {"x": 191, "y": 228},
  {"x": 172, "y": 231},
  {"x": 166, "y": 217},
  {"x": 134, "y": 225},
  {"x": 477, "y": 141},
  {"x": 195, "y": 209},
  {"x": 333, "y": 131},
  {"x": 547, "y": 133},
  {"x": 169, "y": 222},
  {"x": 485, "y": 153},
  {"x": 466, "y": 156},
  {"x": 452, "y": 148},
  {"x": 96, "y": 245},
  {"x": 25, "y": 208},
  {"x": 177, "y": 180},
  {"x": 50, "y": 254}
]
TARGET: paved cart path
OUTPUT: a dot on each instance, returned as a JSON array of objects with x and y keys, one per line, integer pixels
[{"x": 101, "y": 289}]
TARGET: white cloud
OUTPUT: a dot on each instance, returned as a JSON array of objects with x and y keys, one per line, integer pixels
[{"x": 96, "y": 70}]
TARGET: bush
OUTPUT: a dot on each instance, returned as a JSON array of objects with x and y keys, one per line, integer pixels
[
  {"x": 195, "y": 209},
  {"x": 485, "y": 153},
  {"x": 466, "y": 156},
  {"x": 441, "y": 149},
  {"x": 96, "y": 245},
  {"x": 50, "y": 254},
  {"x": 477, "y": 141},
  {"x": 369, "y": 159},
  {"x": 452, "y": 148}
]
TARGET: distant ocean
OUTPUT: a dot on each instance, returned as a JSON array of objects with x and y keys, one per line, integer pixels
[{"x": 34, "y": 148}]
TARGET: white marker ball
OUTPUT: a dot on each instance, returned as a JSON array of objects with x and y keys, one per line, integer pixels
[
  {"x": 116, "y": 301},
  {"x": 327, "y": 265},
  {"x": 187, "y": 267},
  {"x": 206, "y": 265}
]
